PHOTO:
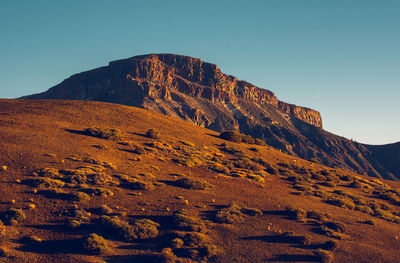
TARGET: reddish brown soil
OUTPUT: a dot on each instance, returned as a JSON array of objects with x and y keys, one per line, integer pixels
[{"x": 42, "y": 134}]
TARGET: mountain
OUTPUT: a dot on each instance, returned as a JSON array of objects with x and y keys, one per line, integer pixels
[
  {"x": 193, "y": 90},
  {"x": 85, "y": 181}
]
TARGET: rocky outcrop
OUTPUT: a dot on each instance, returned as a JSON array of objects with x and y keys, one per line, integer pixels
[
  {"x": 155, "y": 76},
  {"x": 196, "y": 91}
]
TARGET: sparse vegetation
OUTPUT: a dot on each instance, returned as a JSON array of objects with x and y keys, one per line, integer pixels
[
  {"x": 191, "y": 184},
  {"x": 324, "y": 256},
  {"x": 229, "y": 215},
  {"x": 235, "y": 136},
  {"x": 108, "y": 134},
  {"x": 187, "y": 222},
  {"x": 140, "y": 229},
  {"x": 152, "y": 134},
  {"x": 95, "y": 244},
  {"x": 12, "y": 216}
]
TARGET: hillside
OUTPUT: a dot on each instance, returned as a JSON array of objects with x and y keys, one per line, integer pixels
[
  {"x": 199, "y": 92},
  {"x": 178, "y": 194}
]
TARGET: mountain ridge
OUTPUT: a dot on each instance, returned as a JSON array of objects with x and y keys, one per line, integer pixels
[{"x": 196, "y": 91}]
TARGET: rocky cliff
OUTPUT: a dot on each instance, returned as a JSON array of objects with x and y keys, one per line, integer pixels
[{"x": 193, "y": 90}]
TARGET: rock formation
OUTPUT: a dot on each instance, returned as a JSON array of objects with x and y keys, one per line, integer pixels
[{"x": 193, "y": 90}]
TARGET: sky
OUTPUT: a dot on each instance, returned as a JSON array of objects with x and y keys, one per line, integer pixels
[{"x": 339, "y": 57}]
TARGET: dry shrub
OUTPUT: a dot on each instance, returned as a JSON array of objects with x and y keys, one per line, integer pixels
[
  {"x": 140, "y": 229},
  {"x": 192, "y": 184},
  {"x": 324, "y": 256},
  {"x": 335, "y": 226},
  {"x": 135, "y": 184},
  {"x": 330, "y": 245},
  {"x": 108, "y": 134},
  {"x": 229, "y": 215},
  {"x": 152, "y": 134},
  {"x": 95, "y": 244},
  {"x": 13, "y": 216},
  {"x": 187, "y": 222}
]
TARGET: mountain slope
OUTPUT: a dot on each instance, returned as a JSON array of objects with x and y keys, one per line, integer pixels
[
  {"x": 193, "y": 90},
  {"x": 70, "y": 183}
]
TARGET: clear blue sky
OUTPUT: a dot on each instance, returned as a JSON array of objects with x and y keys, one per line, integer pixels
[{"x": 340, "y": 57}]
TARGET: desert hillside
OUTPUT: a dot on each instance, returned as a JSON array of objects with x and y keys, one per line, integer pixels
[
  {"x": 98, "y": 182},
  {"x": 193, "y": 90}
]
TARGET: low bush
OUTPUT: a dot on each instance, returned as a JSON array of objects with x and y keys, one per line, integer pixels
[
  {"x": 108, "y": 134},
  {"x": 191, "y": 184},
  {"x": 229, "y": 215},
  {"x": 335, "y": 226},
  {"x": 95, "y": 244},
  {"x": 186, "y": 222},
  {"x": 140, "y": 229},
  {"x": 341, "y": 201},
  {"x": 135, "y": 184},
  {"x": 324, "y": 256},
  {"x": 195, "y": 239},
  {"x": 104, "y": 210},
  {"x": 233, "y": 136},
  {"x": 152, "y": 134},
  {"x": 12, "y": 216},
  {"x": 330, "y": 245}
]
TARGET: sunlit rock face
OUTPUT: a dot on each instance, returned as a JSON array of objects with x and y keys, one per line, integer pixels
[{"x": 196, "y": 91}]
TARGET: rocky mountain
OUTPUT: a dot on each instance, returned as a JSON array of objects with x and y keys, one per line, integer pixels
[{"x": 193, "y": 90}]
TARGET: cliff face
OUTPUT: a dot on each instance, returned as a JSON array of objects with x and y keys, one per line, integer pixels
[
  {"x": 196, "y": 91},
  {"x": 156, "y": 76}
]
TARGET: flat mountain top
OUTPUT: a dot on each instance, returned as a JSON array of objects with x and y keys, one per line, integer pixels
[
  {"x": 92, "y": 181},
  {"x": 196, "y": 91}
]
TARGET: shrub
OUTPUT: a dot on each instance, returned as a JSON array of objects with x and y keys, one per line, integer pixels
[
  {"x": 4, "y": 251},
  {"x": 336, "y": 226},
  {"x": 296, "y": 213},
  {"x": 191, "y": 184},
  {"x": 104, "y": 210},
  {"x": 64, "y": 195},
  {"x": 195, "y": 239},
  {"x": 386, "y": 215},
  {"x": 248, "y": 139},
  {"x": 324, "y": 256},
  {"x": 186, "y": 222},
  {"x": 177, "y": 243},
  {"x": 152, "y": 134},
  {"x": 219, "y": 168},
  {"x": 43, "y": 182},
  {"x": 291, "y": 237},
  {"x": 140, "y": 229},
  {"x": 108, "y": 134},
  {"x": 271, "y": 169},
  {"x": 229, "y": 215},
  {"x": 73, "y": 224},
  {"x": 99, "y": 191},
  {"x": 95, "y": 244},
  {"x": 208, "y": 250},
  {"x": 139, "y": 150},
  {"x": 259, "y": 142},
  {"x": 13, "y": 216},
  {"x": 356, "y": 184},
  {"x": 341, "y": 201},
  {"x": 2, "y": 230},
  {"x": 317, "y": 215},
  {"x": 330, "y": 245},
  {"x": 233, "y": 136},
  {"x": 136, "y": 184},
  {"x": 145, "y": 228}
]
